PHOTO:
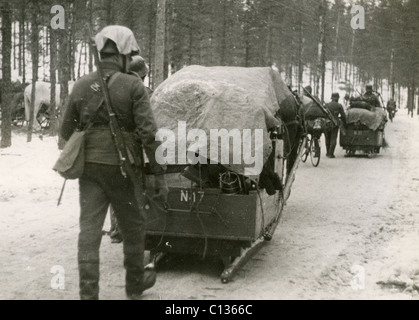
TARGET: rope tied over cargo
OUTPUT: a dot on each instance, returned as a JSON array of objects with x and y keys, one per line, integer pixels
[
  {"x": 166, "y": 211},
  {"x": 262, "y": 229},
  {"x": 196, "y": 207}
]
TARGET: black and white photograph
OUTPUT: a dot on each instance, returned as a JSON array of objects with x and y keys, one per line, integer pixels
[{"x": 221, "y": 151}]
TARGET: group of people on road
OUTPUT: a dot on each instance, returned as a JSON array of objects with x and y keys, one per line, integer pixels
[
  {"x": 337, "y": 111},
  {"x": 103, "y": 184}
]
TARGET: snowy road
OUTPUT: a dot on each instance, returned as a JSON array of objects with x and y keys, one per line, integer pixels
[{"x": 350, "y": 231}]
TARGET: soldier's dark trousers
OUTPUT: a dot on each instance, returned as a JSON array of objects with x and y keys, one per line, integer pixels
[
  {"x": 100, "y": 186},
  {"x": 331, "y": 141},
  {"x": 114, "y": 230}
]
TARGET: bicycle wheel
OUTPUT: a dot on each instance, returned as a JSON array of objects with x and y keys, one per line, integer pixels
[
  {"x": 315, "y": 152},
  {"x": 306, "y": 151}
]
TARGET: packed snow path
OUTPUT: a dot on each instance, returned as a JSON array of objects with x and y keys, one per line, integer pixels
[{"x": 350, "y": 231}]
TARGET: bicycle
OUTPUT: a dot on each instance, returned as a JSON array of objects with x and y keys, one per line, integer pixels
[{"x": 313, "y": 144}]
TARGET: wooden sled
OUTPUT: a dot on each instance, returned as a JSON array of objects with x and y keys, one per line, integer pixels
[{"x": 207, "y": 222}]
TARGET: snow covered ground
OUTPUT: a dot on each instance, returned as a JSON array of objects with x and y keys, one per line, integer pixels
[{"x": 350, "y": 231}]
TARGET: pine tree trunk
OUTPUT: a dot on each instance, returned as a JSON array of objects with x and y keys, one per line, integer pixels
[
  {"x": 191, "y": 34},
  {"x": 381, "y": 86},
  {"x": 322, "y": 47},
  {"x": 300, "y": 53},
  {"x": 90, "y": 9},
  {"x": 109, "y": 12},
  {"x": 211, "y": 39},
  {"x": 352, "y": 62},
  {"x": 72, "y": 41},
  {"x": 246, "y": 30},
  {"x": 413, "y": 91},
  {"x": 151, "y": 36},
  {"x": 223, "y": 46},
  {"x": 64, "y": 67},
  {"x": 409, "y": 101},
  {"x": 80, "y": 58},
  {"x": 199, "y": 31},
  {"x": 45, "y": 53},
  {"x": 166, "y": 45},
  {"x": 14, "y": 45},
  {"x": 335, "y": 64},
  {"x": 290, "y": 74},
  {"x": 160, "y": 43},
  {"x": 392, "y": 86},
  {"x": 417, "y": 101},
  {"x": 35, "y": 58},
  {"x": 6, "y": 33},
  {"x": 23, "y": 43},
  {"x": 86, "y": 58},
  {"x": 53, "y": 78},
  {"x": 269, "y": 41},
  {"x": 399, "y": 96},
  {"x": 311, "y": 76},
  {"x": 20, "y": 57}
]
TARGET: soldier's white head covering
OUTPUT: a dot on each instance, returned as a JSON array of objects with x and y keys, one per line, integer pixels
[{"x": 122, "y": 37}]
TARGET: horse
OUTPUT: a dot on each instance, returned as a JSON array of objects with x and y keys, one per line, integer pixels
[
  {"x": 15, "y": 88},
  {"x": 17, "y": 107},
  {"x": 42, "y": 100}
]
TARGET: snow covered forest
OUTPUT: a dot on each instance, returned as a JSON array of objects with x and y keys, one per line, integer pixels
[{"x": 308, "y": 41}]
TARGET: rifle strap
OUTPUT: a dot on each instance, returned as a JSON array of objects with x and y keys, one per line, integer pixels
[
  {"x": 97, "y": 101},
  {"x": 120, "y": 143}
]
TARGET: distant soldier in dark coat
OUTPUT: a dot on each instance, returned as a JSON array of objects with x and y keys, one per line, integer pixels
[
  {"x": 309, "y": 89},
  {"x": 370, "y": 97},
  {"x": 391, "y": 109},
  {"x": 311, "y": 109},
  {"x": 347, "y": 98},
  {"x": 336, "y": 109},
  {"x": 139, "y": 68}
]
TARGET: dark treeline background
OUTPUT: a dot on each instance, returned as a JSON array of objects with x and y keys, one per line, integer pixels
[{"x": 302, "y": 38}]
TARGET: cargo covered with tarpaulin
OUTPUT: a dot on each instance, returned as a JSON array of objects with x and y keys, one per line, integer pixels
[
  {"x": 373, "y": 120},
  {"x": 311, "y": 110},
  {"x": 315, "y": 115},
  {"x": 364, "y": 131},
  {"x": 218, "y": 208},
  {"x": 217, "y": 98}
]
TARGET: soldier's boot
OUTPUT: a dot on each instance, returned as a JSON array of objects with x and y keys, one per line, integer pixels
[
  {"x": 140, "y": 284},
  {"x": 137, "y": 280},
  {"x": 116, "y": 236},
  {"x": 89, "y": 280},
  {"x": 332, "y": 151}
]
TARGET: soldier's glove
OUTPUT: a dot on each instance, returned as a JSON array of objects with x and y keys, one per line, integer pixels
[{"x": 160, "y": 188}]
